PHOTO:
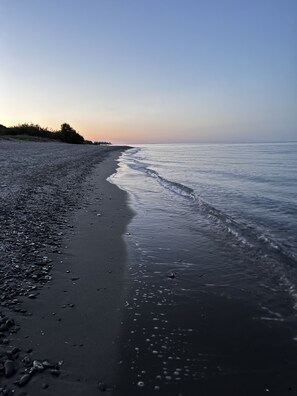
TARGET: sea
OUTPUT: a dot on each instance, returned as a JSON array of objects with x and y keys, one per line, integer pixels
[{"x": 211, "y": 281}]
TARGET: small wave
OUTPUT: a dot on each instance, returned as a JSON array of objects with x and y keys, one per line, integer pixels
[
  {"x": 174, "y": 187},
  {"x": 246, "y": 235},
  {"x": 177, "y": 188},
  {"x": 291, "y": 289},
  {"x": 132, "y": 151},
  {"x": 272, "y": 319}
]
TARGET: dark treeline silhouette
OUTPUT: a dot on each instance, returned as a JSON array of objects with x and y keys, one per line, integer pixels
[
  {"x": 69, "y": 135},
  {"x": 66, "y": 134}
]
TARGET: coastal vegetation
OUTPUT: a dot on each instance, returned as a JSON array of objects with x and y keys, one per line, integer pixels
[{"x": 66, "y": 134}]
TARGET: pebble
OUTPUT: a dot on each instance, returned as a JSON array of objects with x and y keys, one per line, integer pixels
[
  {"x": 171, "y": 275},
  {"x": 24, "y": 380},
  {"x": 9, "y": 323},
  {"x": 102, "y": 386},
  {"x": 9, "y": 368},
  {"x": 47, "y": 364},
  {"x": 29, "y": 232},
  {"x": 38, "y": 366}
]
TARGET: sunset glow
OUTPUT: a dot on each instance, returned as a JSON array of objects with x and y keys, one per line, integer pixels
[{"x": 152, "y": 71}]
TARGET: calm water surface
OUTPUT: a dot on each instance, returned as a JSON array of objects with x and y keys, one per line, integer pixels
[{"x": 213, "y": 243}]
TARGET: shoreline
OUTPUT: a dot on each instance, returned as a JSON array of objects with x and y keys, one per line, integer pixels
[{"x": 73, "y": 321}]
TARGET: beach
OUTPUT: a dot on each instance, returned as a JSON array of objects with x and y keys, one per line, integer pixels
[
  {"x": 63, "y": 260},
  {"x": 147, "y": 271}
]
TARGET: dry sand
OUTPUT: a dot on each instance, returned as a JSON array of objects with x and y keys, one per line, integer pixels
[{"x": 62, "y": 268}]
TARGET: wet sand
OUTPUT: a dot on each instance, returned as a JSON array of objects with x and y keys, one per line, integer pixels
[{"x": 69, "y": 317}]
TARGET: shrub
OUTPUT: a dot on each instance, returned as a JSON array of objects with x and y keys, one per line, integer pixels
[{"x": 69, "y": 135}]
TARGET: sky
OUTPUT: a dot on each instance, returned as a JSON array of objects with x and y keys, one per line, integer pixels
[{"x": 152, "y": 71}]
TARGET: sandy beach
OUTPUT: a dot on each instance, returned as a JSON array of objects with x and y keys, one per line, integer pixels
[
  {"x": 63, "y": 261},
  {"x": 140, "y": 299}
]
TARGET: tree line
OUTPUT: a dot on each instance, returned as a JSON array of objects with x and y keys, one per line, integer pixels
[{"x": 66, "y": 134}]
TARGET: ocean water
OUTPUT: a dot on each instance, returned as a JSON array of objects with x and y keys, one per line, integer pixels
[{"x": 212, "y": 266}]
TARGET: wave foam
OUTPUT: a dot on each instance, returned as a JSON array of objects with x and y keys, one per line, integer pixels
[{"x": 246, "y": 235}]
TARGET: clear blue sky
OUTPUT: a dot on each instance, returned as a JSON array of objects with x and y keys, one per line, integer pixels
[{"x": 152, "y": 70}]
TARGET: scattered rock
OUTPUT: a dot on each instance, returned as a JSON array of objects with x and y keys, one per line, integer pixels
[
  {"x": 171, "y": 275},
  {"x": 27, "y": 361},
  {"x": 24, "y": 379},
  {"x": 47, "y": 364},
  {"x": 9, "y": 323},
  {"x": 102, "y": 386},
  {"x": 9, "y": 368},
  {"x": 38, "y": 366},
  {"x": 33, "y": 215}
]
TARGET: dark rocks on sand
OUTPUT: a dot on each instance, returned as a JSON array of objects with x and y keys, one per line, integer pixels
[
  {"x": 102, "y": 386},
  {"x": 171, "y": 275},
  {"x": 9, "y": 323},
  {"x": 47, "y": 364},
  {"x": 38, "y": 366},
  {"x": 24, "y": 379},
  {"x": 34, "y": 213},
  {"x": 9, "y": 368}
]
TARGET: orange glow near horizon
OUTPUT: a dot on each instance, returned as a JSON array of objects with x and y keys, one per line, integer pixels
[
  {"x": 146, "y": 133},
  {"x": 151, "y": 72}
]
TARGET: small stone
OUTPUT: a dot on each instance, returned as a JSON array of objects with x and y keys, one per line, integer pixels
[
  {"x": 15, "y": 350},
  {"x": 24, "y": 380},
  {"x": 9, "y": 368},
  {"x": 27, "y": 361},
  {"x": 47, "y": 364},
  {"x": 38, "y": 366},
  {"x": 9, "y": 323},
  {"x": 3, "y": 327},
  {"x": 140, "y": 384},
  {"x": 171, "y": 275},
  {"x": 102, "y": 386}
]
